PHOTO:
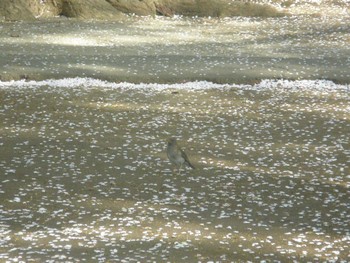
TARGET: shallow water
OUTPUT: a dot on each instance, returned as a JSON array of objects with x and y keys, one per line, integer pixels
[
  {"x": 84, "y": 174},
  {"x": 163, "y": 50}
]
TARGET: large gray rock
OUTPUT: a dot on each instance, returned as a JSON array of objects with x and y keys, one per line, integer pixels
[
  {"x": 90, "y": 9},
  {"x": 114, "y": 9},
  {"x": 45, "y": 9},
  {"x": 138, "y": 7},
  {"x": 11, "y": 10},
  {"x": 217, "y": 8},
  {"x": 195, "y": 7}
]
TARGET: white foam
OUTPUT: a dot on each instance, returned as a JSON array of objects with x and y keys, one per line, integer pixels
[
  {"x": 197, "y": 85},
  {"x": 90, "y": 82}
]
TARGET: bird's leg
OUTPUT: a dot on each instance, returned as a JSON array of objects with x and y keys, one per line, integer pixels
[{"x": 180, "y": 169}]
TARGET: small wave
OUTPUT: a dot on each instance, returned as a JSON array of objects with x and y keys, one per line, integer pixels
[{"x": 196, "y": 85}]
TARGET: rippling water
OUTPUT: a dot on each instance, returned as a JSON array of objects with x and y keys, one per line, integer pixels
[
  {"x": 177, "y": 50},
  {"x": 84, "y": 174}
]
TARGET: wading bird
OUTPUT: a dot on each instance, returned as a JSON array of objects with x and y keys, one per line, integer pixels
[{"x": 176, "y": 155}]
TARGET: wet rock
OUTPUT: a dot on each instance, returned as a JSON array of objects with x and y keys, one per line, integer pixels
[
  {"x": 215, "y": 8},
  {"x": 143, "y": 7},
  {"x": 46, "y": 9},
  {"x": 90, "y": 9},
  {"x": 114, "y": 9},
  {"x": 15, "y": 10}
]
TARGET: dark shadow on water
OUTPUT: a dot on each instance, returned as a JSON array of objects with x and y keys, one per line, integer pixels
[{"x": 238, "y": 61}]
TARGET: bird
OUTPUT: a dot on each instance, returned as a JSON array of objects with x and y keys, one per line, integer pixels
[{"x": 176, "y": 155}]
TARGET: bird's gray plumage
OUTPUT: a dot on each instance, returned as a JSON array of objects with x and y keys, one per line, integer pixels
[{"x": 176, "y": 155}]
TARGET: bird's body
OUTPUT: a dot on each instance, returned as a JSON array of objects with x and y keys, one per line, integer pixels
[{"x": 176, "y": 155}]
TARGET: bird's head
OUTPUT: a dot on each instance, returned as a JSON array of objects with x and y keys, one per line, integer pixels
[{"x": 171, "y": 140}]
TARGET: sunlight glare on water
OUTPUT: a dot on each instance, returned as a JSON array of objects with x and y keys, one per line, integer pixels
[{"x": 85, "y": 174}]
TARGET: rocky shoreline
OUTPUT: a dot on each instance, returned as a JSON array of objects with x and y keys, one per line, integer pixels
[{"x": 118, "y": 10}]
